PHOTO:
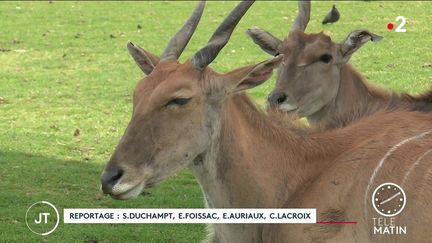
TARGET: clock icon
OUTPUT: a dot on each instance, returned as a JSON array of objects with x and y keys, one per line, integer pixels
[{"x": 388, "y": 199}]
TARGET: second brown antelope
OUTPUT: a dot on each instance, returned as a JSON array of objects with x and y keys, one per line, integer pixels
[
  {"x": 315, "y": 80},
  {"x": 187, "y": 115}
]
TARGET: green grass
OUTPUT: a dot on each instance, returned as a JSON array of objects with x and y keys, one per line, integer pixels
[{"x": 64, "y": 66}]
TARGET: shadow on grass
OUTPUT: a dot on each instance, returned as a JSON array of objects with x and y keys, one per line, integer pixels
[{"x": 28, "y": 178}]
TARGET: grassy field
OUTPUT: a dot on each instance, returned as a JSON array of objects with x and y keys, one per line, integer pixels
[{"x": 66, "y": 82}]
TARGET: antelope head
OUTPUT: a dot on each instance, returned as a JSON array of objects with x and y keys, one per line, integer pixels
[
  {"x": 176, "y": 107},
  {"x": 309, "y": 75}
]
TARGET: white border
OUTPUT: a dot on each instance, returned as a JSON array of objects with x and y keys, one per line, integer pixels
[{"x": 122, "y": 216}]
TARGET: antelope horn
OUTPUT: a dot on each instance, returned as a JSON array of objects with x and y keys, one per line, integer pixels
[
  {"x": 179, "y": 41},
  {"x": 303, "y": 16},
  {"x": 220, "y": 37}
]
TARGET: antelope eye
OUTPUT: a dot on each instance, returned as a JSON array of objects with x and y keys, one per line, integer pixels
[
  {"x": 178, "y": 101},
  {"x": 326, "y": 58}
]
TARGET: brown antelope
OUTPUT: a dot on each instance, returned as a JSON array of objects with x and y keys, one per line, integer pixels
[
  {"x": 187, "y": 115},
  {"x": 315, "y": 80}
]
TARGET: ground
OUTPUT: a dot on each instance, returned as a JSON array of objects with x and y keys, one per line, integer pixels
[{"x": 66, "y": 82}]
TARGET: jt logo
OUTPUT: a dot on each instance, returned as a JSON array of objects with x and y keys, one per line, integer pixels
[
  {"x": 46, "y": 222},
  {"x": 45, "y": 215}
]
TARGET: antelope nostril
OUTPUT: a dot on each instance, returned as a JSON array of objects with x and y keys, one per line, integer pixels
[
  {"x": 277, "y": 98},
  {"x": 281, "y": 99},
  {"x": 118, "y": 175},
  {"x": 110, "y": 178}
]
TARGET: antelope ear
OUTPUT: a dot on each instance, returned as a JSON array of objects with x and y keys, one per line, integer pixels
[
  {"x": 265, "y": 40},
  {"x": 145, "y": 60},
  {"x": 354, "y": 41},
  {"x": 250, "y": 76}
]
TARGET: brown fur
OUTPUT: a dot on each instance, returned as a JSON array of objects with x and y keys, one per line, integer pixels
[
  {"x": 332, "y": 170},
  {"x": 375, "y": 99},
  {"x": 245, "y": 158}
]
